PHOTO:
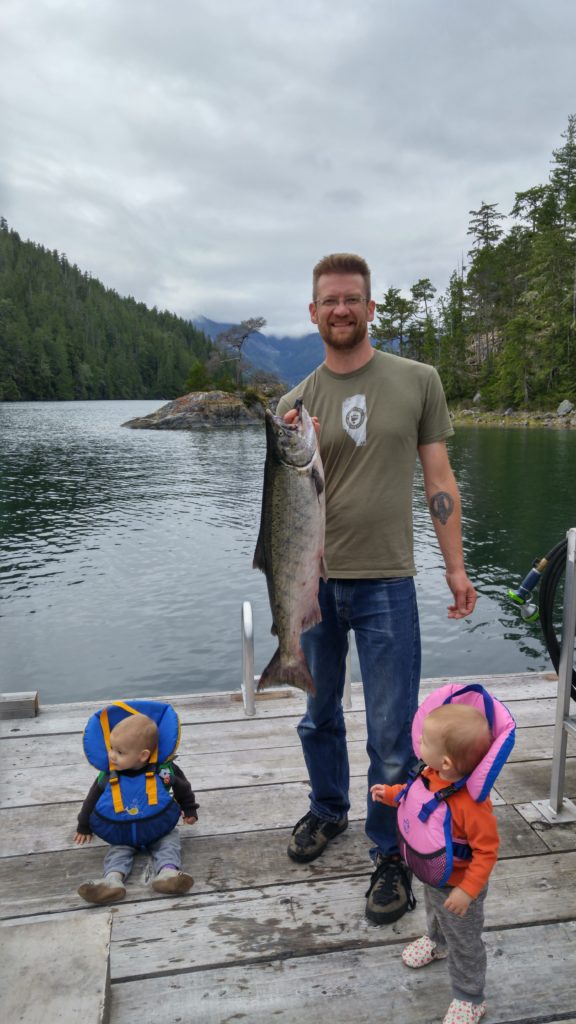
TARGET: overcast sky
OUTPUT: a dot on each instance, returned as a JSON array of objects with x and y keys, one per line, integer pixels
[{"x": 201, "y": 155}]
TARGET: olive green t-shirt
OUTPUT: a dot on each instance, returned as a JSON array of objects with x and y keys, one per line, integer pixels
[{"x": 372, "y": 422}]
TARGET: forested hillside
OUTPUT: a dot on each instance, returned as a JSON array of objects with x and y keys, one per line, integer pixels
[
  {"x": 63, "y": 335},
  {"x": 506, "y": 324}
]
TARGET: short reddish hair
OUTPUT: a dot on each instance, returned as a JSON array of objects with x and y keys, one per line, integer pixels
[
  {"x": 341, "y": 263},
  {"x": 139, "y": 731},
  {"x": 463, "y": 732}
]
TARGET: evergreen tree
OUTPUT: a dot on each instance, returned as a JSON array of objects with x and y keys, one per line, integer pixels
[
  {"x": 422, "y": 338},
  {"x": 563, "y": 176},
  {"x": 393, "y": 317},
  {"x": 63, "y": 335},
  {"x": 453, "y": 355},
  {"x": 506, "y": 325}
]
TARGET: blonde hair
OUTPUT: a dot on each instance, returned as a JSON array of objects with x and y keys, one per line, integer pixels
[
  {"x": 341, "y": 263},
  {"x": 463, "y": 732},
  {"x": 138, "y": 731}
]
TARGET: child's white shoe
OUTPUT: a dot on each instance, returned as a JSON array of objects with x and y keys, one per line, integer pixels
[
  {"x": 422, "y": 952},
  {"x": 171, "y": 881},
  {"x": 460, "y": 1012},
  {"x": 104, "y": 890}
]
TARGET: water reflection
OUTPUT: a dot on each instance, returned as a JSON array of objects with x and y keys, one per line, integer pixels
[
  {"x": 518, "y": 501},
  {"x": 126, "y": 554}
]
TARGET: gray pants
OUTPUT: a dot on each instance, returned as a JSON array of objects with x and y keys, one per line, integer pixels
[
  {"x": 163, "y": 851},
  {"x": 462, "y": 937}
]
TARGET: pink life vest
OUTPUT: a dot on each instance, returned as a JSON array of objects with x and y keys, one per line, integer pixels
[{"x": 425, "y": 832}]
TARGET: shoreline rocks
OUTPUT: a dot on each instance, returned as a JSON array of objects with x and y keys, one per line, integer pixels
[
  {"x": 199, "y": 410},
  {"x": 207, "y": 409},
  {"x": 514, "y": 419}
]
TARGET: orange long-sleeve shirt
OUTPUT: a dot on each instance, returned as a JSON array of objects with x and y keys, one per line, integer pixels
[{"x": 470, "y": 821}]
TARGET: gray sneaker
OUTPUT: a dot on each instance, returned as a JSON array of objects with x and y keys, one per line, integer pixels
[
  {"x": 389, "y": 894},
  {"x": 104, "y": 890},
  {"x": 311, "y": 835},
  {"x": 172, "y": 882}
]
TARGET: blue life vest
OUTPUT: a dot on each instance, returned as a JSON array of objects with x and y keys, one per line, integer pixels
[{"x": 134, "y": 809}]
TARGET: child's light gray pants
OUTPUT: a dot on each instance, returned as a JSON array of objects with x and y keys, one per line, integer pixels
[
  {"x": 462, "y": 937},
  {"x": 166, "y": 850}
]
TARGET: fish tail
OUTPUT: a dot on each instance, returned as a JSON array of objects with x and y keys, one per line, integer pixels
[{"x": 287, "y": 672}]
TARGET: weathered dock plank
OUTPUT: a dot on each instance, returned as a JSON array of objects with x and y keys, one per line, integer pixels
[
  {"x": 555, "y": 836},
  {"x": 225, "y": 707},
  {"x": 365, "y": 985},
  {"x": 533, "y": 777},
  {"x": 222, "y": 811},
  {"x": 216, "y": 768},
  {"x": 306, "y": 918},
  {"x": 48, "y": 882},
  {"x": 19, "y": 705},
  {"x": 56, "y": 970},
  {"x": 272, "y": 739}
]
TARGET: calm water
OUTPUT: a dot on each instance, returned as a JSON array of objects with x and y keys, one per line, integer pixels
[{"x": 126, "y": 555}]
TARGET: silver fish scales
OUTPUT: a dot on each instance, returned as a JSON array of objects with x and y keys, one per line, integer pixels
[{"x": 290, "y": 547}]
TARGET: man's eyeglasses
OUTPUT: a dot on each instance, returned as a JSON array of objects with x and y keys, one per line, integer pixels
[{"x": 352, "y": 301}]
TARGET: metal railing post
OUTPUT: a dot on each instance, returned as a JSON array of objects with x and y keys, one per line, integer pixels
[
  {"x": 248, "y": 685},
  {"x": 248, "y": 691}
]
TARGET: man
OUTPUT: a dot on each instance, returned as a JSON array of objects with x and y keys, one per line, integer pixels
[{"x": 375, "y": 412}]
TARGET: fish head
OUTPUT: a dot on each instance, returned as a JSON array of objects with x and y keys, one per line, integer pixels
[{"x": 293, "y": 443}]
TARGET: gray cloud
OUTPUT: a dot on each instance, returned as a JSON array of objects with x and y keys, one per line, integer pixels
[{"x": 201, "y": 156}]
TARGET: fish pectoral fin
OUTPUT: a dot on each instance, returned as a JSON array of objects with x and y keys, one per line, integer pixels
[
  {"x": 259, "y": 560},
  {"x": 273, "y": 629},
  {"x": 312, "y": 617},
  {"x": 318, "y": 480}
]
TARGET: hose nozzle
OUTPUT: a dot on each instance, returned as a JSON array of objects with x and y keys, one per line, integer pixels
[{"x": 521, "y": 596}]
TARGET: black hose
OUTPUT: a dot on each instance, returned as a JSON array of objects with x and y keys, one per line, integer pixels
[{"x": 556, "y": 559}]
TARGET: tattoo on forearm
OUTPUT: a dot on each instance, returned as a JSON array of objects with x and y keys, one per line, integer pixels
[{"x": 442, "y": 506}]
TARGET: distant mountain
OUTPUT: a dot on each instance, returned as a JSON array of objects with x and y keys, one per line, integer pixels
[{"x": 291, "y": 359}]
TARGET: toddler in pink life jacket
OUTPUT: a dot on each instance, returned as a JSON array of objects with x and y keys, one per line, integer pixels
[{"x": 448, "y": 834}]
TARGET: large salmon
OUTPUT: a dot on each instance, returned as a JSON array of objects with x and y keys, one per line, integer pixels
[{"x": 290, "y": 548}]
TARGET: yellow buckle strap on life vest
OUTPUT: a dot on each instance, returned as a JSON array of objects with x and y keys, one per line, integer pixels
[
  {"x": 104, "y": 721},
  {"x": 105, "y": 727},
  {"x": 126, "y": 707},
  {"x": 151, "y": 788},
  {"x": 116, "y": 793}
]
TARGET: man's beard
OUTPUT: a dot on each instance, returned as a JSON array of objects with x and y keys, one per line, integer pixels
[{"x": 344, "y": 343}]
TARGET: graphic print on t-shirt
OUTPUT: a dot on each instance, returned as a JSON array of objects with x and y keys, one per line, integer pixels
[{"x": 354, "y": 418}]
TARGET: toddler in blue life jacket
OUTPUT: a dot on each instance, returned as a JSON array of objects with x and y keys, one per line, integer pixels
[{"x": 136, "y": 802}]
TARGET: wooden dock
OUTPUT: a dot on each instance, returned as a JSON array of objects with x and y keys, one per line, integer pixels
[{"x": 260, "y": 939}]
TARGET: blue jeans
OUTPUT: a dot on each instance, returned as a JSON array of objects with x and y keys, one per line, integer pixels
[{"x": 384, "y": 616}]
